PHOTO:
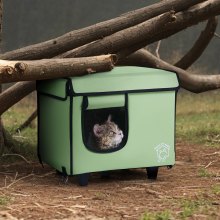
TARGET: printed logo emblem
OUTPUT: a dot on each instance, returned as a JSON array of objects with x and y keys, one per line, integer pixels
[{"x": 163, "y": 151}]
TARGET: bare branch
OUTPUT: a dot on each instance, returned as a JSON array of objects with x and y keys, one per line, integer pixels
[
  {"x": 145, "y": 33},
  {"x": 83, "y": 36},
  {"x": 157, "y": 49},
  {"x": 183, "y": 20},
  {"x": 14, "y": 94},
  {"x": 190, "y": 82},
  {"x": 124, "y": 38},
  {"x": 200, "y": 45},
  {"x": 2, "y": 142},
  {"x": 27, "y": 122}
]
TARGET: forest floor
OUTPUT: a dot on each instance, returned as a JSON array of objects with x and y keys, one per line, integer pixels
[{"x": 190, "y": 190}]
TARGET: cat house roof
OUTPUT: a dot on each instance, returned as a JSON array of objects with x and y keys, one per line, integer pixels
[{"x": 119, "y": 80}]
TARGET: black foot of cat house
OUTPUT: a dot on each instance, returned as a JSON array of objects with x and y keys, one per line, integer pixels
[{"x": 120, "y": 119}]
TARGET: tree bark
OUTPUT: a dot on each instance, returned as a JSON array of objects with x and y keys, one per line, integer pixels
[
  {"x": 190, "y": 82},
  {"x": 200, "y": 45},
  {"x": 12, "y": 71},
  {"x": 145, "y": 33},
  {"x": 14, "y": 94},
  {"x": 83, "y": 36},
  {"x": 124, "y": 38},
  {"x": 2, "y": 143},
  {"x": 139, "y": 59},
  {"x": 18, "y": 91},
  {"x": 183, "y": 20}
]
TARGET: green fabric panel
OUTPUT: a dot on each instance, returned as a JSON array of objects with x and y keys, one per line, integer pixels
[
  {"x": 125, "y": 79},
  {"x": 151, "y": 126},
  {"x": 109, "y": 101},
  {"x": 151, "y": 137},
  {"x": 56, "y": 87},
  {"x": 54, "y": 132},
  {"x": 119, "y": 79}
]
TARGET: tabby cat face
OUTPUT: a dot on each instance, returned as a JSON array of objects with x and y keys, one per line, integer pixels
[{"x": 108, "y": 134}]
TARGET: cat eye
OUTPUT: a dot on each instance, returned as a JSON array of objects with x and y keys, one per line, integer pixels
[{"x": 112, "y": 133}]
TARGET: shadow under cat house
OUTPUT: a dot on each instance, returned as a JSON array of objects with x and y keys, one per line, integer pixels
[{"x": 120, "y": 119}]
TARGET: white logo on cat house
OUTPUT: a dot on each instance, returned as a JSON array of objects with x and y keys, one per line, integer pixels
[{"x": 163, "y": 151}]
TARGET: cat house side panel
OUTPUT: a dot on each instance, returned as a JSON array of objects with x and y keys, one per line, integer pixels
[
  {"x": 151, "y": 123},
  {"x": 54, "y": 132}
]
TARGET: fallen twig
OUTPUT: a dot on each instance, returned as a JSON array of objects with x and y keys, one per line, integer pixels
[
  {"x": 215, "y": 153},
  {"x": 24, "y": 177},
  {"x": 210, "y": 163},
  {"x": 17, "y": 155},
  {"x": 27, "y": 122}
]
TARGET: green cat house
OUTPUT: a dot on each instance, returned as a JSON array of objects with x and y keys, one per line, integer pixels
[{"x": 141, "y": 101}]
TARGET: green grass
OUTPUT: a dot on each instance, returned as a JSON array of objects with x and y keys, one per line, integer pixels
[
  {"x": 204, "y": 173},
  {"x": 164, "y": 215},
  {"x": 216, "y": 190},
  {"x": 4, "y": 200},
  {"x": 198, "y": 118},
  {"x": 198, "y": 121},
  {"x": 191, "y": 207},
  {"x": 26, "y": 141}
]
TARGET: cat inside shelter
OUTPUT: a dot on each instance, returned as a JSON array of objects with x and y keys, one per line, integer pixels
[{"x": 104, "y": 129}]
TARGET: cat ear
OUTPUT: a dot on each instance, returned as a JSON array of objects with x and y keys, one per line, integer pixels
[
  {"x": 97, "y": 130},
  {"x": 109, "y": 118}
]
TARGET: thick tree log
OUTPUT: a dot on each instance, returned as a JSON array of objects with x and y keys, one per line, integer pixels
[
  {"x": 188, "y": 18},
  {"x": 206, "y": 10},
  {"x": 142, "y": 34},
  {"x": 139, "y": 59},
  {"x": 18, "y": 91},
  {"x": 2, "y": 142},
  {"x": 83, "y": 36},
  {"x": 200, "y": 45},
  {"x": 183, "y": 20},
  {"x": 188, "y": 81},
  {"x": 14, "y": 94},
  {"x": 124, "y": 38},
  {"x": 12, "y": 71}
]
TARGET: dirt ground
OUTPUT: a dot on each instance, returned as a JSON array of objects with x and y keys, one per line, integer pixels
[{"x": 190, "y": 190}]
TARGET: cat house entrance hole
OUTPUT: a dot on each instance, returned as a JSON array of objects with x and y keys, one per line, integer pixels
[{"x": 111, "y": 122}]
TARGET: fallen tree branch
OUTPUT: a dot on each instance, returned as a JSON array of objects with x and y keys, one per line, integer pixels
[
  {"x": 12, "y": 71},
  {"x": 211, "y": 7},
  {"x": 200, "y": 45},
  {"x": 124, "y": 38},
  {"x": 2, "y": 142},
  {"x": 190, "y": 82},
  {"x": 11, "y": 144},
  {"x": 27, "y": 122},
  {"x": 17, "y": 155},
  {"x": 83, "y": 36},
  {"x": 147, "y": 32},
  {"x": 190, "y": 17},
  {"x": 14, "y": 94}
]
